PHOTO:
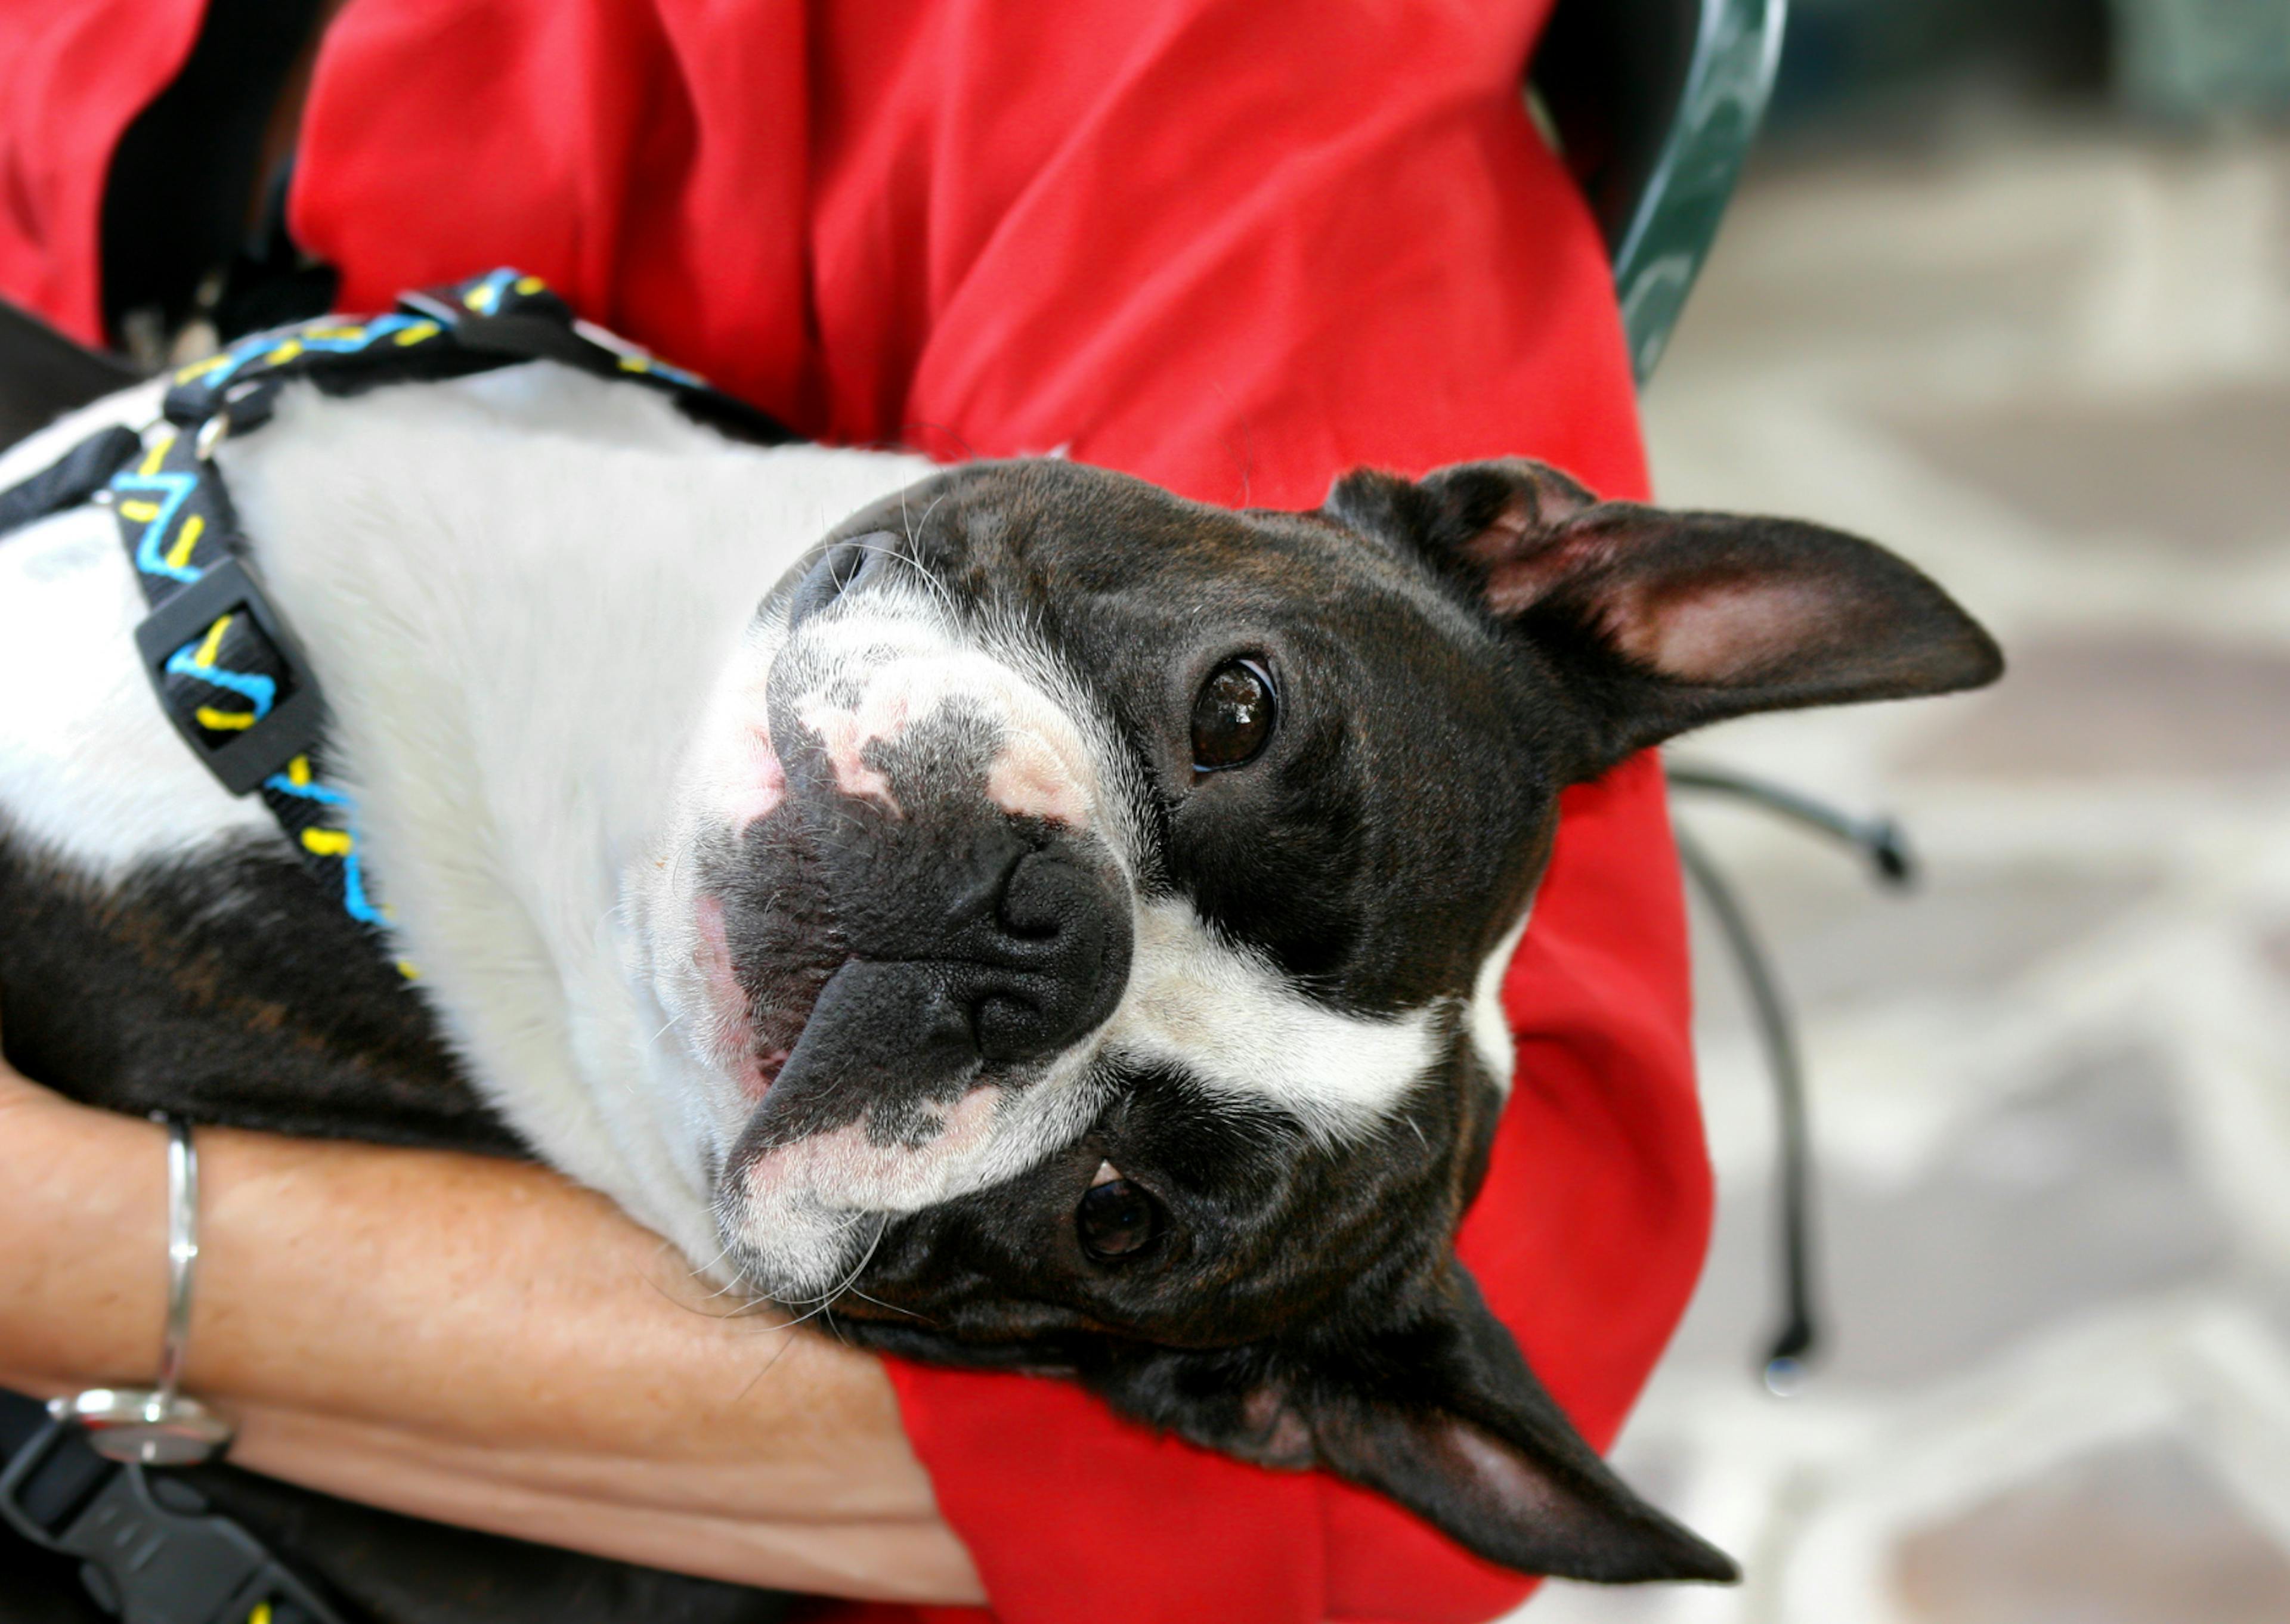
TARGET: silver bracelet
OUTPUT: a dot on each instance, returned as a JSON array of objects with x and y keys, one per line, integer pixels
[{"x": 160, "y": 1426}]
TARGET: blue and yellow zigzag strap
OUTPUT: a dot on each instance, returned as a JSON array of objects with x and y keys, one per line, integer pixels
[
  {"x": 331, "y": 350},
  {"x": 222, "y": 662},
  {"x": 494, "y": 320},
  {"x": 176, "y": 520}
]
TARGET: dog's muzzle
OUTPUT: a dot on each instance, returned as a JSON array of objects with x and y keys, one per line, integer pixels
[
  {"x": 936, "y": 896},
  {"x": 979, "y": 949}
]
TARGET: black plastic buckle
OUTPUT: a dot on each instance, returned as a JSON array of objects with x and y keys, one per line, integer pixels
[
  {"x": 151, "y": 1551},
  {"x": 293, "y": 725}
]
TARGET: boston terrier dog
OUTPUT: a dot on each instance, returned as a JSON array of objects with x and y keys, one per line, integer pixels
[{"x": 1057, "y": 923}]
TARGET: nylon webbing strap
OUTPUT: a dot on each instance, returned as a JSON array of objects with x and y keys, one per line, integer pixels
[
  {"x": 489, "y": 321},
  {"x": 228, "y": 673},
  {"x": 225, "y": 666},
  {"x": 80, "y": 472}
]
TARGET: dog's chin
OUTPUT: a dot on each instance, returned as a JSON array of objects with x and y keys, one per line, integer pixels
[{"x": 793, "y": 1250}]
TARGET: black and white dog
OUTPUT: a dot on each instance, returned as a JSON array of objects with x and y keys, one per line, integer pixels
[{"x": 1069, "y": 914}]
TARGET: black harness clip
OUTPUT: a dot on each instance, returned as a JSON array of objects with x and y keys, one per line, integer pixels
[
  {"x": 290, "y": 728},
  {"x": 150, "y": 1549}
]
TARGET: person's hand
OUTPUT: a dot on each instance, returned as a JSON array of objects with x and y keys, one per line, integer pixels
[{"x": 469, "y": 1340}]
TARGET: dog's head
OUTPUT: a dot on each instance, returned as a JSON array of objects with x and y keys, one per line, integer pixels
[{"x": 1088, "y": 909}]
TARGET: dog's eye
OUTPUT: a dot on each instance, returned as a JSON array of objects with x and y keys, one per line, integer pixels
[
  {"x": 1232, "y": 717},
  {"x": 1115, "y": 1217}
]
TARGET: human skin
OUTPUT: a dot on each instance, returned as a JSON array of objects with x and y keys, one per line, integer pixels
[{"x": 469, "y": 1340}]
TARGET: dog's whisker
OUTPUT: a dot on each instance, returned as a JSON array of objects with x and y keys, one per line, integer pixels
[
  {"x": 778, "y": 1353},
  {"x": 893, "y": 1307},
  {"x": 827, "y": 1297}
]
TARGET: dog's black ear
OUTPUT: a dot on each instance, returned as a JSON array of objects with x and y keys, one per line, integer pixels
[
  {"x": 1438, "y": 1411},
  {"x": 1662, "y": 622}
]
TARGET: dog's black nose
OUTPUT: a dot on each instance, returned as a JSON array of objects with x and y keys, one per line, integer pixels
[
  {"x": 976, "y": 942},
  {"x": 1057, "y": 962}
]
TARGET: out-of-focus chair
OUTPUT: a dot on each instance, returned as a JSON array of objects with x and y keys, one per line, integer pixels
[{"x": 1655, "y": 105}]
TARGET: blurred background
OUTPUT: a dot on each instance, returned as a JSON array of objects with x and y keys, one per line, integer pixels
[{"x": 2007, "y": 287}]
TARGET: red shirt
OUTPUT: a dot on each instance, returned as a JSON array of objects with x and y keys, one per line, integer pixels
[{"x": 1234, "y": 246}]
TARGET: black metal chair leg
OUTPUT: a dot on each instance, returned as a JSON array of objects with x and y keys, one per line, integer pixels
[
  {"x": 1885, "y": 847},
  {"x": 1800, "y": 1336}
]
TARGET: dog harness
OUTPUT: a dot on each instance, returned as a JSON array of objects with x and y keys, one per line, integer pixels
[{"x": 224, "y": 664}]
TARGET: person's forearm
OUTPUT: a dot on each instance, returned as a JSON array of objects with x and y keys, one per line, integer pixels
[
  {"x": 463, "y": 1295},
  {"x": 722, "y": 1520},
  {"x": 469, "y": 1340}
]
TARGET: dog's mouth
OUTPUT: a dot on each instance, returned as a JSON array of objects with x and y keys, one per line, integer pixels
[{"x": 767, "y": 945}]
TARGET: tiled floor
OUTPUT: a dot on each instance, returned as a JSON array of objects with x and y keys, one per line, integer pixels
[{"x": 2053, "y": 1090}]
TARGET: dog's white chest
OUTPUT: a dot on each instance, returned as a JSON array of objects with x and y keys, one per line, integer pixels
[{"x": 516, "y": 590}]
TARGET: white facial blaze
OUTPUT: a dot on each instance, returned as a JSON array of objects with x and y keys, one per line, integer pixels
[
  {"x": 1490, "y": 1026},
  {"x": 846, "y": 732},
  {"x": 1237, "y": 1026},
  {"x": 732, "y": 775},
  {"x": 908, "y": 669},
  {"x": 1032, "y": 779}
]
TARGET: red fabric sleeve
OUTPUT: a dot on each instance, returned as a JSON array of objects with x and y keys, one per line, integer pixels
[
  {"x": 1231, "y": 245},
  {"x": 73, "y": 75}
]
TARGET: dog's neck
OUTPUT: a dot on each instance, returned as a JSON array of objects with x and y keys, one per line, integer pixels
[{"x": 509, "y": 765}]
